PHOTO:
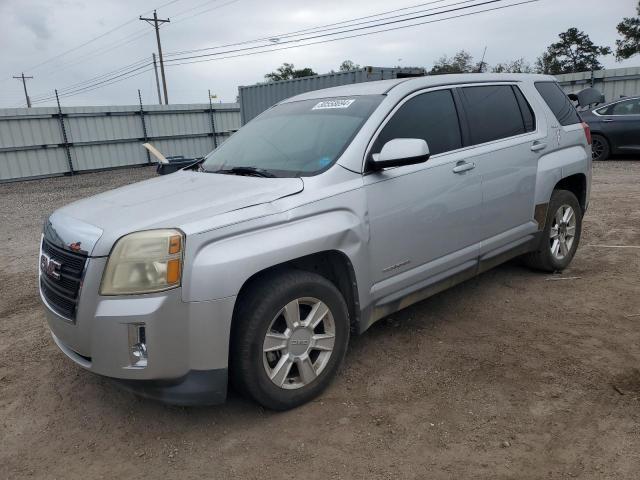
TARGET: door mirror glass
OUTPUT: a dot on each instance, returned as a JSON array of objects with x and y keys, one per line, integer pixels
[{"x": 401, "y": 151}]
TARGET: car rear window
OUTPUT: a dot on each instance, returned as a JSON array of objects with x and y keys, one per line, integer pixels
[
  {"x": 558, "y": 102},
  {"x": 493, "y": 113}
]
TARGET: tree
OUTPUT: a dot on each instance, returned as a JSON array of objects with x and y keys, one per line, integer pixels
[
  {"x": 288, "y": 71},
  {"x": 462, "y": 62},
  {"x": 348, "y": 65},
  {"x": 575, "y": 52},
  {"x": 629, "y": 45},
  {"x": 514, "y": 66},
  {"x": 547, "y": 63}
]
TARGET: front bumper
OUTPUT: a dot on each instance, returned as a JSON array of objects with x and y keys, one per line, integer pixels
[
  {"x": 187, "y": 343},
  {"x": 197, "y": 387}
]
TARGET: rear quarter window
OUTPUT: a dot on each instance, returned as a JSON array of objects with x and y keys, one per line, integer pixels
[
  {"x": 558, "y": 102},
  {"x": 527, "y": 113}
]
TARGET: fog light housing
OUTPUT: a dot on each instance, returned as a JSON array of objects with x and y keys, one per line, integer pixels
[{"x": 138, "y": 345}]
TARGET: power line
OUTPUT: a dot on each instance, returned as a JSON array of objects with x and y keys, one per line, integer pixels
[
  {"x": 99, "y": 51},
  {"x": 115, "y": 74},
  {"x": 348, "y": 30},
  {"x": 310, "y": 29},
  {"x": 197, "y": 14},
  {"x": 118, "y": 43},
  {"x": 124, "y": 41},
  {"x": 98, "y": 77},
  {"x": 355, "y": 35},
  {"x": 143, "y": 60},
  {"x": 103, "y": 83},
  {"x": 88, "y": 89},
  {"x": 128, "y": 39},
  {"x": 102, "y": 35},
  {"x": 266, "y": 49}
]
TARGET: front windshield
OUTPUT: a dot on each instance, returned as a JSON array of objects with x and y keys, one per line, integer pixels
[{"x": 295, "y": 139}]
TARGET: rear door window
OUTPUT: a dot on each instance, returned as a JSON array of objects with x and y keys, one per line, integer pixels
[
  {"x": 493, "y": 112},
  {"x": 627, "y": 107},
  {"x": 558, "y": 102},
  {"x": 431, "y": 116}
]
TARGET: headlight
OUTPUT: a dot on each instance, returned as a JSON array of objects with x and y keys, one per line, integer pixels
[{"x": 144, "y": 262}]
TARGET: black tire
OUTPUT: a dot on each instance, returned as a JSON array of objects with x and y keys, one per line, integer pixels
[
  {"x": 253, "y": 317},
  {"x": 543, "y": 259},
  {"x": 600, "y": 147}
]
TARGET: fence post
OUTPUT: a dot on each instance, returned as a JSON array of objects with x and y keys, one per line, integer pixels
[
  {"x": 65, "y": 143},
  {"x": 213, "y": 124},
  {"x": 144, "y": 126}
]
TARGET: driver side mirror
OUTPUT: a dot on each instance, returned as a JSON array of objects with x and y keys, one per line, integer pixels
[{"x": 399, "y": 152}]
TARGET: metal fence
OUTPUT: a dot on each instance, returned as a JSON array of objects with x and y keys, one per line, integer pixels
[
  {"x": 45, "y": 141},
  {"x": 613, "y": 83},
  {"x": 255, "y": 99}
]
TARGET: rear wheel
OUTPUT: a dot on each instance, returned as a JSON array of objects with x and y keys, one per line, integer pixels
[
  {"x": 599, "y": 147},
  {"x": 561, "y": 234},
  {"x": 289, "y": 338}
]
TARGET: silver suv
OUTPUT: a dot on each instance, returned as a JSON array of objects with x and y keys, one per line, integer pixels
[{"x": 323, "y": 215}]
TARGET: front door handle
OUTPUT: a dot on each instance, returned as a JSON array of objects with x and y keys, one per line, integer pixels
[
  {"x": 463, "y": 167},
  {"x": 537, "y": 146}
]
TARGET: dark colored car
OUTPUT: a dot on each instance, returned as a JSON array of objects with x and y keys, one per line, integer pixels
[{"x": 615, "y": 127}]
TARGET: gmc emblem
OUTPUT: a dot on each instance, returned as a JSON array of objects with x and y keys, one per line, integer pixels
[{"x": 50, "y": 266}]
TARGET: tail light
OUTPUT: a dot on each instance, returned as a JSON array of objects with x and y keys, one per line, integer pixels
[{"x": 587, "y": 132}]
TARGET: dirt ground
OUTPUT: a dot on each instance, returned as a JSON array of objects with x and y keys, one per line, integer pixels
[{"x": 515, "y": 374}]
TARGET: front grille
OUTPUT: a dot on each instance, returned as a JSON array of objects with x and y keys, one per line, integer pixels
[{"x": 62, "y": 293}]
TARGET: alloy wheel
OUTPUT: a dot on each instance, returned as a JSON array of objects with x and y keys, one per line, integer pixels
[
  {"x": 298, "y": 343},
  {"x": 563, "y": 232},
  {"x": 597, "y": 149}
]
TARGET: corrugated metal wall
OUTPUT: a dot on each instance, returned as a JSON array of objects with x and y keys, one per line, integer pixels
[
  {"x": 613, "y": 83},
  {"x": 255, "y": 99},
  {"x": 32, "y": 142}
]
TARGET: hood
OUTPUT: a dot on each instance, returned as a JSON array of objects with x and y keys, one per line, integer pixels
[{"x": 175, "y": 199}]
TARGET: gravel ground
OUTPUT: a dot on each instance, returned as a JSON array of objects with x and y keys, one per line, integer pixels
[{"x": 515, "y": 374}]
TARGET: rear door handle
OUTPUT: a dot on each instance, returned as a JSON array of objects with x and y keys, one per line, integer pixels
[
  {"x": 537, "y": 146},
  {"x": 463, "y": 167},
  {"x": 607, "y": 120}
]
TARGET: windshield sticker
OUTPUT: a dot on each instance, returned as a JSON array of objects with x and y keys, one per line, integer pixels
[
  {"x": 327, "y": 104},
  {"x": 324, "y": 161}
]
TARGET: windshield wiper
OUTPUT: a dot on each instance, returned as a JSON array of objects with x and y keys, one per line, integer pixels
[{"x": 248, "y": 171}]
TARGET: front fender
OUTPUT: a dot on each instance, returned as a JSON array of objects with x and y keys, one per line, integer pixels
[{"x": 220, "y": 266}]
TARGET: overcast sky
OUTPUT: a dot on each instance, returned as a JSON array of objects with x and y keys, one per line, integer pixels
[{"x": 37, "y": 31}]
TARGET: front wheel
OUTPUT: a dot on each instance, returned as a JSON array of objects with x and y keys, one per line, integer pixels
[
  {"x": 561, "y": 234},
  {"x": 289, "y": 338}
]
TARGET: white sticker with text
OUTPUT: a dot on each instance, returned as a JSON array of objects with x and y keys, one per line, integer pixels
[{"x": 327, "y": 104}]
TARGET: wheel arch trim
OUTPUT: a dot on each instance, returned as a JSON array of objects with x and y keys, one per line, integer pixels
[{"x": 556, "y": 167}]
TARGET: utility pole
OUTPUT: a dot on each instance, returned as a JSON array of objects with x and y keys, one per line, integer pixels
[
  {"x": 481, "y": 66},
  {"x": 155, "y": 69},
  {"x": 24, "y": 84},
  {"x": 156, "y": 22}
]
